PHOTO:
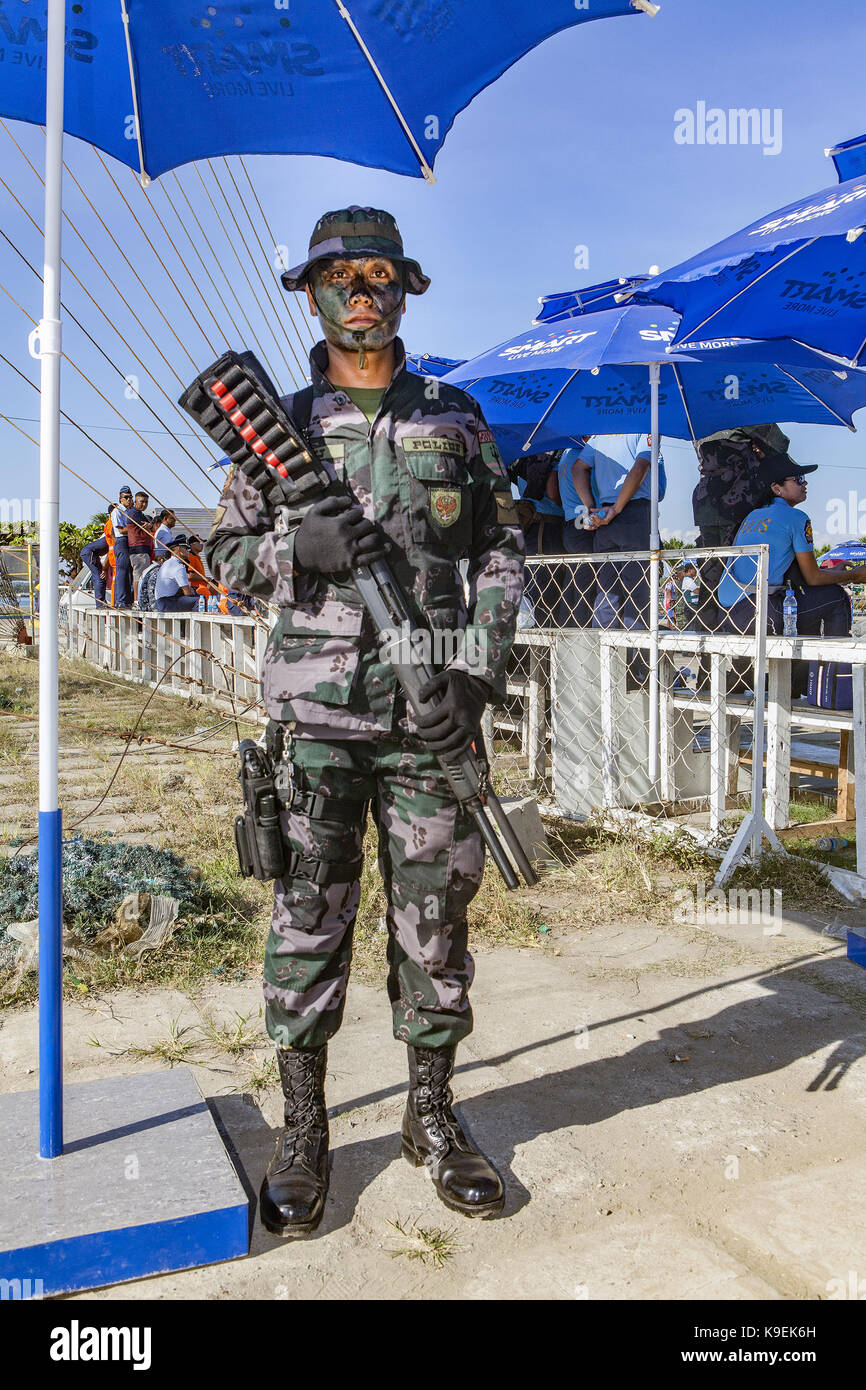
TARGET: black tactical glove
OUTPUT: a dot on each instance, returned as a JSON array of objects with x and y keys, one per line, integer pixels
[
  {"x": 335, "y": 536},
  {"x": 453, "y": 723}
]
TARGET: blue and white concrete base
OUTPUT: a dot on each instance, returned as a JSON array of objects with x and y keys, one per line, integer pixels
[{"x": 144, "y": 1186}]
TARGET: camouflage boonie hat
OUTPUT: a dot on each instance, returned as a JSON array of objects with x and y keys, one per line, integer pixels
[{"x": 356, "y": 231}]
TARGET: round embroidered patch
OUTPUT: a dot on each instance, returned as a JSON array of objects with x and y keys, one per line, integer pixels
[{"x": 445, "y": 505}]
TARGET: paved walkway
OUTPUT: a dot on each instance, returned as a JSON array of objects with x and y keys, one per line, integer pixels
[{"x": 678, "y": 1114}]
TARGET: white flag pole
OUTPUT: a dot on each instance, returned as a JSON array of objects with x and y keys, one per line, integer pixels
[
  {"x": 655, "y": 565},
  {"x": 45, "y": 344}
]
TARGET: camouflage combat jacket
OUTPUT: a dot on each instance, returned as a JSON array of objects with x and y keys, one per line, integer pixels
[
  {"x": 429, "y": 473},
  {"x": 729, "y": 486}
]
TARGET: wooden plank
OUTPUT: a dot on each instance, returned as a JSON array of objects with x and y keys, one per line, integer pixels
[
  {"x": 778, "y": 758},
  {"x": 815, "y": 829},
  {"x": 733, "y": 725},
  {"x": 806, "y": 767},
  {"x": 845, "y": 780}
]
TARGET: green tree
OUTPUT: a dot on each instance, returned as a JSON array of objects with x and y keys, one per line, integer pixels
[{"x": 74, "y": 538}]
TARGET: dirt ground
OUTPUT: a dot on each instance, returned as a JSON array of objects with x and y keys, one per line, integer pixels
[{"x": 677, "y": 1109}]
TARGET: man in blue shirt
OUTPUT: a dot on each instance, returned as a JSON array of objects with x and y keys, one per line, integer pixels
[
  {"x": 612, "y": 475},
  {"x": 578, "y": 539},
  {"x": 173, "y": 591},
  {"x": 122, "y": 566},
  {"x": 541, "y": 519},
  {"x": 163, "y": 535},
  {"x": 823, "y": 606}
]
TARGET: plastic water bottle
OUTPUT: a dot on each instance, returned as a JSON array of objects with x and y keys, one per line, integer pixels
[
  {"x": 202, "y": 604},
  {"x": 831, "y": 842},
  {"x": 789, "y": 614}
]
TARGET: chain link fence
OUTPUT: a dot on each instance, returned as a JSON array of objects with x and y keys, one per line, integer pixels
[{"x": 580, "y": 727}]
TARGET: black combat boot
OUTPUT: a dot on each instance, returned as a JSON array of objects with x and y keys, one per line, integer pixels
[
  {"x": 293, "y": 1192},
  {"x": 463, "y": 1178}
]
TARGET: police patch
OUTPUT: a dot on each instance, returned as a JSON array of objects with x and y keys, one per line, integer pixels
[
  {"x": 433, "y": 444},
  {"x": 445, "y": 505},
  {"x": 490, "y": 452},
  {"x": 807, "y": 532}
]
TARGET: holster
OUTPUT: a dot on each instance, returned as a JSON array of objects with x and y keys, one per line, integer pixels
[{"x": 258, "y": 837}]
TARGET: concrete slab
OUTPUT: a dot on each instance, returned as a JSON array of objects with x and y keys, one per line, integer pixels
[
  {"x": 804, "y": 1220},
  {"x": 144, "y": 1185}
]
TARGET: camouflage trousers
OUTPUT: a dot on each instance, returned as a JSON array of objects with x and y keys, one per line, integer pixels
[{"x": 431, "y": 858}]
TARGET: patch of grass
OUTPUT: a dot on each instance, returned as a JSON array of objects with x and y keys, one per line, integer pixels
[
  {"x": 802, "y": 810},
  {"x": 173, "y": 1049},
  {"x": 236, "y": 1036},
  {"x": 265, "y": 1076},
  {"x": 803, "y": 886},
  {"x": 429, "y": 1244},
  {"x": 13, "y": 747}
]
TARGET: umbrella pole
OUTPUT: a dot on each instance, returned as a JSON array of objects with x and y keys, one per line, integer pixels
[
  {"x": 50, "y": 839},
  {"x": 655, "y": 564}
]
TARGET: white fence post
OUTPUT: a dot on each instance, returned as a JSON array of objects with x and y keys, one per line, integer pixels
[{"x": 779, "y": 744}]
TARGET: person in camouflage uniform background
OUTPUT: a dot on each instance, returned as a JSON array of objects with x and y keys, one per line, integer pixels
[
  {"x": 727, "y": 490},
  {"x": 432, "y": 490}
]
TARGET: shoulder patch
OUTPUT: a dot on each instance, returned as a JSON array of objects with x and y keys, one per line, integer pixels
[
  {"x": 490, "y": 453},
  {"x": 807, "y": 531}
]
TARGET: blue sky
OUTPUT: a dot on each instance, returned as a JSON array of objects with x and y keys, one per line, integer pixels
[{"x": 573, "y": 147}]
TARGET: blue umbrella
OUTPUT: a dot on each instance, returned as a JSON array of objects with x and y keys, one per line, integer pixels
[
  {"x": 156, "y": 83},
  {"x": 588, "y": 300},
  {"x": 377, "y": 82},
  {"x": 849, "y": 158},
  {"x": 611, "y": 372},
  {"x": 424, "y": 365},
  {"x": 797, "y": 273},
  {"x": 589, "y": 376}
]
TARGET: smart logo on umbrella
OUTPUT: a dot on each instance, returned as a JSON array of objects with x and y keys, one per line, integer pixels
[
  {"x": 537, "y": 346},
  {"x": 243, "y": 48},
  {"x": 79, "y": 42},
  {"x": 831, "y": 203}
]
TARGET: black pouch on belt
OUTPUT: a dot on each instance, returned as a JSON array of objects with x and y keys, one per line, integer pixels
[{"x": 258, "y": 839}]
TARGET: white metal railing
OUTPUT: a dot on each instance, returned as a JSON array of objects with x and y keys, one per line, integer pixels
[
  {"x": 569, "y": 728},
  {"x": 208, "y": 656}
]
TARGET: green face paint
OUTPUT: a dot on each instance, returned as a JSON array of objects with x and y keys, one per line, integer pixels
[{"x": 360, "y": 301}]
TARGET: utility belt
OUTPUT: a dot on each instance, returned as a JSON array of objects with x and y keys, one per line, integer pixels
[{"x": 263, "y": 851}]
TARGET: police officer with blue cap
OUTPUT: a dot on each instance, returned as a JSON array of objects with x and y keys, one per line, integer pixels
[{"x": 822, "y": 603}]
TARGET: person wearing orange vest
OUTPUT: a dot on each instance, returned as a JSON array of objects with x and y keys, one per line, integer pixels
[
  {"x": 108, "y": 532},
  {"x": 195, "y": 565}
]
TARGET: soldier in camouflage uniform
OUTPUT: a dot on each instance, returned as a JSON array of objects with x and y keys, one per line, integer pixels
[
  {"x": 432, "y": 491},
  {"x": 727, "y": 490}
]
